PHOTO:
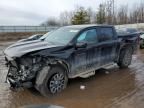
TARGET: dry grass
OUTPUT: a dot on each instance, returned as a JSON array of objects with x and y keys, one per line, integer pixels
[{"x": 16, "y": 35}]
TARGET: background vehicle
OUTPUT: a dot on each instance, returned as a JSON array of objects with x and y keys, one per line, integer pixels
[
  {"x": 126, "y": 31},
  {"x": 131, "y": 30},
  {"x": 69, "y": 52},
  {"x": 142, "y": 40},
  {"x": 121, "y": 32},
  {"x": 36, "y": 37},
  {"x": 31, "y": 38}
]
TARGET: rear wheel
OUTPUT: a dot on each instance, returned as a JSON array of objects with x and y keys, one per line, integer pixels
[
  {"x": 54, "y": 82},
  {"x": 141, "y": 46},
  {"x": 125, "y": 57}
]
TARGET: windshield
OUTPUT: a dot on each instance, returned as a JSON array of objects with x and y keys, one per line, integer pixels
[{"x": 61, "y": 36}]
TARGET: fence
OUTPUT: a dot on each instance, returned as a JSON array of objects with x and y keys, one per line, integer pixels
[
  {"x": 49, "y": 28},
  {"x": 138, "y": 26},
  {"x": 26, "y": 28}
]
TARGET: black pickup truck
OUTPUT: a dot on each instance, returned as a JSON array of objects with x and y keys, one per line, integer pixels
[{"x": 68, "y": 52}]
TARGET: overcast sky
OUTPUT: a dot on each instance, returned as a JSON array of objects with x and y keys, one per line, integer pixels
[{"x": 34, "y": 12}]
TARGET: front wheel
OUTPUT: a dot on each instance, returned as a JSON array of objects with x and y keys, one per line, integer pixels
[
  {"x": 54, "y": 82},
  {"x": 125, "y": 57}
]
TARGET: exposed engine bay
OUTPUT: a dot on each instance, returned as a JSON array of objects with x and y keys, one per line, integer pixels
[{"x": 23, "y": 70}]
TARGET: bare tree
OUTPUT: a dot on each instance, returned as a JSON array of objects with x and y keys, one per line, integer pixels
[
  {"x": 109, "y": 12},
  {"x": 90, "y": 14},
  {"x": 141, "y": 13},
  {"x": 122, "y": 16},
  {"x": 51, "y": 22},
  {"x": 101, "y": 14},
  {"x": 65, "y": 18}
]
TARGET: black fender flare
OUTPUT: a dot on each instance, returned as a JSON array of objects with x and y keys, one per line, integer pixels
[{"x": 41, "y": 75}]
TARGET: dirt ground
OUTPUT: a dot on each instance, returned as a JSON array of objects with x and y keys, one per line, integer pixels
[
  {"x": 16, "y": 35},
  {"x": 113, "y": 89}
]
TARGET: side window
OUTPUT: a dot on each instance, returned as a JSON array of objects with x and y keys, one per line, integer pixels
[
  {"x": 105, "y": 34},
  {"x": 89, "y": 36}
]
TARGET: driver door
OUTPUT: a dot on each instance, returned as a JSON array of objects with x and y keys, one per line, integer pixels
[{"x": 84, "y": 58}]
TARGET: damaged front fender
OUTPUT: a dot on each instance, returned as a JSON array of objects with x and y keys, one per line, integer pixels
[
  {"x": 41, "y": 77},
  {"x": 30, "y": 70}
]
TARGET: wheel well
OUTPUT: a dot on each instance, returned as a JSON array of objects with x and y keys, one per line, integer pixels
[
  {"x": 128, "y": 46},
  {"x": 61, "y": 64},
  {"x": 124, "y": 47}
]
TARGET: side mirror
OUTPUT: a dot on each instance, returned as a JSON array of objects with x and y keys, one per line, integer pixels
[{"x": 81, "y": 45}]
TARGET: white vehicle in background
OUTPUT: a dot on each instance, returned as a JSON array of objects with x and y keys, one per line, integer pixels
[
  {"x": 31, "y": 38},
  {"x": 142, "y": 40},
  {"x": 36, "y": 37}
]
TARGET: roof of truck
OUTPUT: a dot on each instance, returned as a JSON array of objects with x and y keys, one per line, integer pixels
[{"x": 87, "y": 25}]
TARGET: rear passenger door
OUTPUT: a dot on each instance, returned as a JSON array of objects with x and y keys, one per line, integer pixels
[{"x": 107, "y": 44}]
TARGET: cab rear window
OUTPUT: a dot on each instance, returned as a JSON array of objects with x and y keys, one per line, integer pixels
[{"x": 105, "y": 34}]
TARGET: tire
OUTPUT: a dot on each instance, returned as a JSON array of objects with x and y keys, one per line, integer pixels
[
  {"x": 125, "y": 57},
  {"x": 53, "y": 82},
  {"x": 141, "y": 47}
]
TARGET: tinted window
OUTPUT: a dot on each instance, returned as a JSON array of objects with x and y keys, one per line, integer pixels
[
  {"x": 105, "y": 34},
  {"x": 89, "y": 36}
]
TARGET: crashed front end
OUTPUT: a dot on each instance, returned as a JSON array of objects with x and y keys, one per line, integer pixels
[
  {"x": 24, "y": 61},
  {"x": 22, "y": 71}
]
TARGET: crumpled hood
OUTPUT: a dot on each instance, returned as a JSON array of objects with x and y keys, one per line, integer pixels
[{"x": 21, "y": 48}]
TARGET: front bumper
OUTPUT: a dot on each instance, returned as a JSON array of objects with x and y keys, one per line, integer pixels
[
  {"x": 13, "y": 75},
  {"x": 15, "y": 83}
]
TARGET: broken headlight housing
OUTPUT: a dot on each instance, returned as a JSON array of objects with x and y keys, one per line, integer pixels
[
  {"x": 24, "y": 69},
  {"x": 29, "y": 66}
]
